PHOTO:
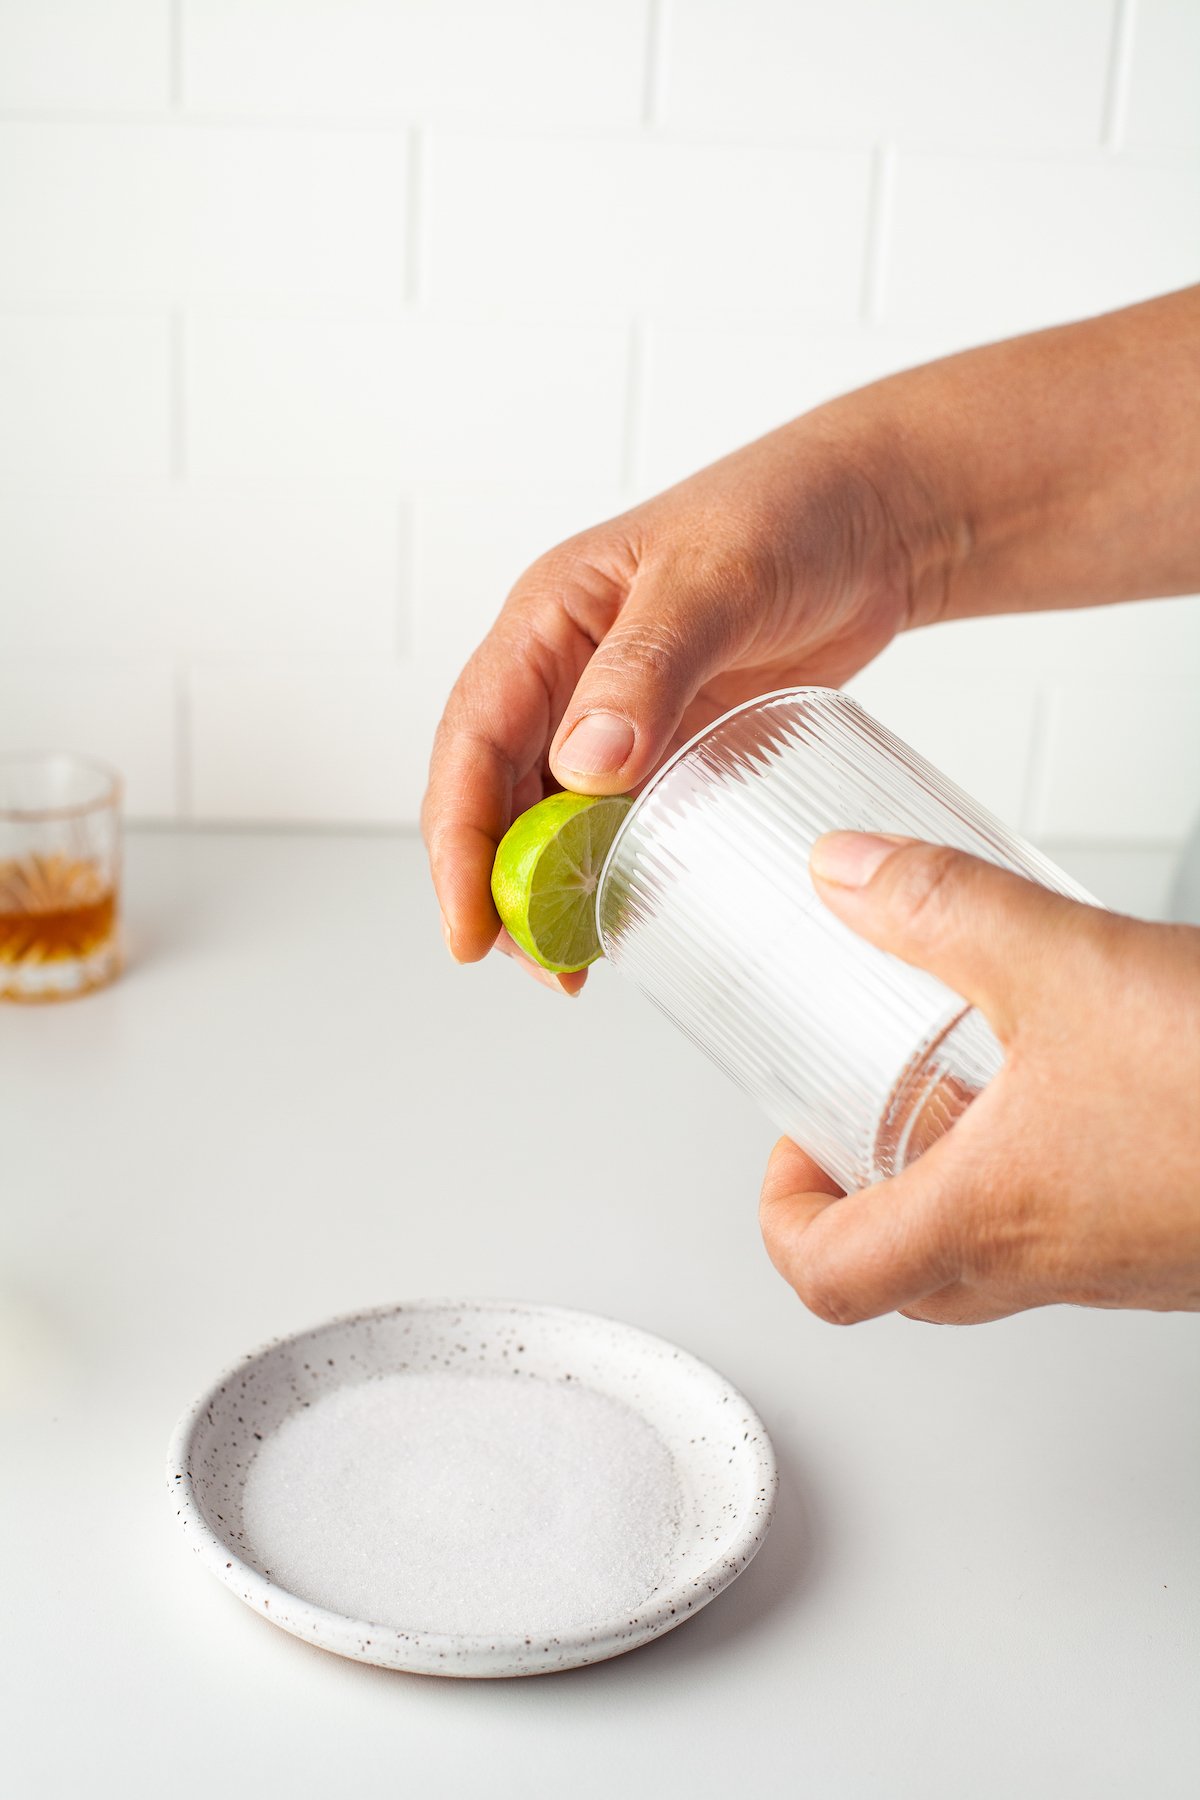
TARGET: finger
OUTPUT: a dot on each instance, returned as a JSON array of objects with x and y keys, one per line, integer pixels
[
  {"x": 791, "y": 1170},
  {"x": 559, "y": 984},
  {"x": 666, "y": 641},
  {"x": 468, "y": 799},
  {"x": 1002, "y": 942},
  {"x": 527, "y": 792},
  {"x": 961, "y": 1304},
  {"x": 487, "y": 763},
  {"x": 794, "y": 1190},
  {"x": 870, "y": 1253}
]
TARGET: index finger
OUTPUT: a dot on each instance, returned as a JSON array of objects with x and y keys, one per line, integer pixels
[
  {"x": 488, "y": 757},
  {"x": 476, "y": 765},
  {"x": 872, "y": 1252}
]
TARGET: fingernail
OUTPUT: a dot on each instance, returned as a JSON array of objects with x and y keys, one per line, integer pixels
[
  {"x": 850, "y": 858},
  {"x": 515, "y": 954},
  {"x": 547, "y": 978},
  {"x": 448, "y": 936},
  {"x": 599, "y": 744}
]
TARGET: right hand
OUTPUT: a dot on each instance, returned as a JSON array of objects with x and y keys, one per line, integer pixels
[
  {"x": 1012, "y": 478},
  {"x": 1072, "y": 1179},
  {"x": 781, "y": 564}
]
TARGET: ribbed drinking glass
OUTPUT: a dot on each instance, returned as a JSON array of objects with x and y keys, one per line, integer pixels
[{"x": 706, "y": 902}]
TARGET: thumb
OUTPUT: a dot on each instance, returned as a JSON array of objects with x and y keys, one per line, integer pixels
[
  {"x": 665, "y": 643},
  {"x": 1000, "y": 941}
]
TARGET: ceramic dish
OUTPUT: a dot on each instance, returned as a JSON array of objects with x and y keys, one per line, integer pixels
[{"x": 719, "y": 1453}]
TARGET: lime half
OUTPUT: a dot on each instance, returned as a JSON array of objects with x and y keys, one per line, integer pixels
[{"x": 545, "y": 875}]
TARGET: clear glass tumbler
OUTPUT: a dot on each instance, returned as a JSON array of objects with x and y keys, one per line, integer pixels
[
  {"x": 705, "y": 901},
  {"x": 60, "y": 855}
]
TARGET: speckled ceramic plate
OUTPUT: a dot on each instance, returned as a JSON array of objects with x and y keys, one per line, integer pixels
[{"x": 720, "y": 1461}]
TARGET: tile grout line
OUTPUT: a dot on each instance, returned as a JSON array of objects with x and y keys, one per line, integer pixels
[
  {"x": 414, "y": 197},
  {"x": 879, "y": 224},
  {"x": 655, "y": 46},
  {"x": 183, "y": 744},
  {"x": 177, "y": 395},
  {"x": 1115, "y": 846},
  {"x": 175, "y": 55},
  {"x": 200, "y": 119},
  {"x": 407, "y": 642},
  {"x": 1118, "y": 75},
  {"x": 143, "y": 823},
  {"x": 634, "y": 385},
  {"x": 1033, "y": 793}
]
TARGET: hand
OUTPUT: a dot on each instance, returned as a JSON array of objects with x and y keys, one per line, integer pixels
[
  {"x": 779, "y": 565},
  {"x": 1075, "y": 1177},
  {"x": 1013, "y": 477}
]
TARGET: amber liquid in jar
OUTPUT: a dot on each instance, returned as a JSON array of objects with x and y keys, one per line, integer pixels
[{"x": 54, "y": 909}]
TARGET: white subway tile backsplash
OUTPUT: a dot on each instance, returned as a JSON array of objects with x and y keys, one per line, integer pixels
[
  {"x": 335, "y": 741},
  {"x": 1129, "y": 878},
  {"x": 708, "y": 389},
  {"x": 1138, "y": 640},
  {"x": 82, "y": 393},
  {"x": 931, "y": 681},
  {"x": 473, "y": 543},
  {"x": 409, "y": 398},
  {"x": 592, "y": 227},
  {"x": 122, "y": 711},
  {"x": 321, "y": 319},
  {"x": 532, "y": 62},
  {"x": 166, "y": 212},
  {"x": 59, "y": 54},
  {"x": 995, "y": 246},
  {"x": 1163, "y": 104},
  {"x": 203, "y": 568},
  {"x": 977, "y": 732},
  {"x": 1022, "y": 74},
  {"x": 1122, "y": 762}
]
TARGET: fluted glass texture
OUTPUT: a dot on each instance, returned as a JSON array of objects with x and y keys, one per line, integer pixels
[{"x": 706, "y": 903}]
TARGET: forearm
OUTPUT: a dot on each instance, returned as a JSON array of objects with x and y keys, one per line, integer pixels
[{"x": 1055, "y": 470}]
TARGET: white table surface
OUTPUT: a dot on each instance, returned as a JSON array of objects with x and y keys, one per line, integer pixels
[{"x": 984, "y": 1574}]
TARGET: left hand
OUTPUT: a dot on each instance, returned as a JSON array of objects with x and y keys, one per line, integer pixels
[{"x": 1075, "y": 1177}]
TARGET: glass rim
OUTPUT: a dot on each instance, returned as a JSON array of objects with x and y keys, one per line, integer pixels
[
  {"x": 706, "y": 731},
  {"x": 109, "y": 795}
]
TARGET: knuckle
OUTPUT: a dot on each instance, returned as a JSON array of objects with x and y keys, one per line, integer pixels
[
  {"x": 927, "y": 886},
  {"x": 652, "y": 649},
  {"x": 807, "y": 1270},
  {"x": 825, "y": 1295},
  {"x": 1005, "y": 1233},
  {"x": 563, "y": 562},
  {"x": 584, "y": 579},
  {"x": 728, "y": 568}
]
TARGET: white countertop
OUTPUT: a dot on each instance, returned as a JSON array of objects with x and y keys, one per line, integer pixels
[{"x": 984, "y": 1574}]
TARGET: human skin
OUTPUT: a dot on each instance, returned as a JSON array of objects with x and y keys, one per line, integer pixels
[
  {"x": 1075, "y": 1176},
  {"x": 1056, "y": 470}
]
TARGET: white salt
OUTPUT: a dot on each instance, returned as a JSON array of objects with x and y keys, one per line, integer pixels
[{"x": 477, "y": 1504}]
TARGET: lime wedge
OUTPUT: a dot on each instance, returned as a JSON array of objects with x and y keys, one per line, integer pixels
[{"x": 545, "y": 874}]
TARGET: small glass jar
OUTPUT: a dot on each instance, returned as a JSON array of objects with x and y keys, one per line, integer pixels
[
  {"x": 60, "y": 861},
  {"x": 705, "y": 901}
]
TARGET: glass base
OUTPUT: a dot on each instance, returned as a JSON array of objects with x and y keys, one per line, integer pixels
[
  {"x": 936, "y": 1091},
  {"x": 66, "y": 978}
]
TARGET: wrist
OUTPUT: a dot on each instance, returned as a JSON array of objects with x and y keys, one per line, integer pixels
[{"x": 923, "y": 539}]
